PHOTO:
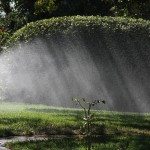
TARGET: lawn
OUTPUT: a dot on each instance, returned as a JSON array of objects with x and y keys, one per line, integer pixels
[
  {"x": 114, "y": 127},
  {"x": 102, "y": 143}
]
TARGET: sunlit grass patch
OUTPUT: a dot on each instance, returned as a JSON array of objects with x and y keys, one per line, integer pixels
[{"x": 29, "y": 119}]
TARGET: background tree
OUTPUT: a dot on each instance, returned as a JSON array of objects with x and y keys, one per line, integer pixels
[
  {"x": 16, "y": 13},
  {"x": 132, "y": 8},
  {"x": 26, "y": 7},
  {"x": 13, "y": 16},
  {"x": 5, "y": 6},
  {"x": 44, "y": 8}
]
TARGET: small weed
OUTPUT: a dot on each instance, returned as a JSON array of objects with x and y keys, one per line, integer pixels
[{"x": 86, "y": 128}]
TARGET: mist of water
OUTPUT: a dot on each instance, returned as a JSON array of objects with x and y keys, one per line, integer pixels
[{"x": 52, "y": 71}]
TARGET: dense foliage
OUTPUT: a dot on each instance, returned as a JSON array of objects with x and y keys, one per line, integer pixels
[
  {"x": 19, "y": 12},
  {"x": 70, "y": 25},
  {"x": 3, "y": 38}
]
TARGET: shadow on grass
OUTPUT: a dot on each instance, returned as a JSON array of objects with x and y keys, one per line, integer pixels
[
  {"x": 132, "y": 121},
  {"x": 18, "y": 126},
  {"x": 65, "y": 121},
  {"x": 51, "y": 124}
]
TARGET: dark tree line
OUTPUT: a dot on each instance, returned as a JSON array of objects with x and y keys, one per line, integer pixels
[{"x": 16, "y": 13}]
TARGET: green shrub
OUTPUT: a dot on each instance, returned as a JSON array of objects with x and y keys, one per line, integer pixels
[
  {"x": 76, "y": 24},
  {"x": 3, "y": 37}
]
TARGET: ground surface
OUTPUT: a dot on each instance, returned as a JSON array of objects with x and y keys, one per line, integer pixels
[
  {"x": 3, "y": 141},
  {"x": 31, "y": 120}
]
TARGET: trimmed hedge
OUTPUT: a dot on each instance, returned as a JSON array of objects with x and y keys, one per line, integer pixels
[
  {"x": 69, "y": 25},
  {"x": 3, "y": 38}
]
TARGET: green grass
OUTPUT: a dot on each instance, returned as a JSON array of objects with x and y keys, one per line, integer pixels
[
  {"x": 101, "y": 143},
  {"x": 130, "y": 131},
  {"x": 21, "y": 119}
]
